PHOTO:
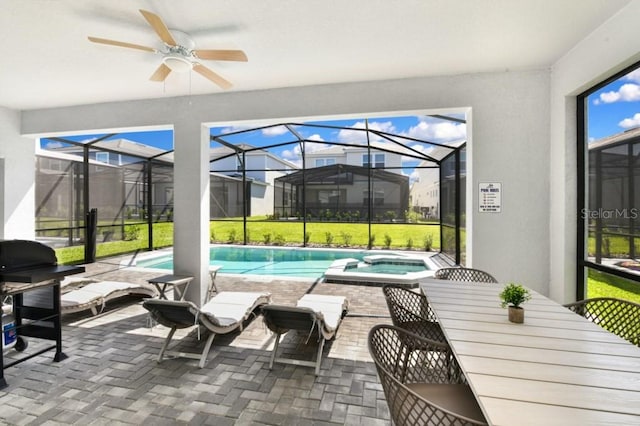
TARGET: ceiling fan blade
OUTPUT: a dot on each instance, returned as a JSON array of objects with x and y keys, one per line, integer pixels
[
  {"x": 161, "y": 73},
  {"x": 216, "y": 78},
  {"x": 121, "y": 44},
  {"x": 159, "y": 27},
  {"x": 221, "y": 55}
]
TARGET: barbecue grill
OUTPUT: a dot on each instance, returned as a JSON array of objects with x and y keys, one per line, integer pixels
[{"x": 30, "y": 274}]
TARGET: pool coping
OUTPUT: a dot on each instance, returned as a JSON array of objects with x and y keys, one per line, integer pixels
[
  {"x": 337, "y": 273},
  {"x": 130, "y": 262}
]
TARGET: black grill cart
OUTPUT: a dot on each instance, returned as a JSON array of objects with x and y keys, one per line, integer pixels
[{"x": 30, "y": 276}]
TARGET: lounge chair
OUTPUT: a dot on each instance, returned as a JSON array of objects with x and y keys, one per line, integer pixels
[
  {"x": 314, "y": 314},
  {"x": 224, "y": 313},
  {"x": 94, "y": 296}
]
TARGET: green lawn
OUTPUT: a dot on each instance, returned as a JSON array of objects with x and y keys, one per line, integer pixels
[
  {"x": 329, "y": 234},
  {"x": 326, "y": 234},
  {"x": 612, "y": 245},
  {"x": 162, "y": 237},
  {"x": 600, "y": 284}
]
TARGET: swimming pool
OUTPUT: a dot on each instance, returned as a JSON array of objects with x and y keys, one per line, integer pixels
[
  {"x": 377, "y": 269},
  {"x": 292, "y": 262}
]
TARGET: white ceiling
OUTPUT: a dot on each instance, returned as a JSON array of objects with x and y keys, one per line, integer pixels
[{"x": 49, "y": 62}]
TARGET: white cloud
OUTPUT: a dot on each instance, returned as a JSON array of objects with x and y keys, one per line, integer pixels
[
  {"x": 633, "y": 75},
  {"x": 358, "y": 136},
  {"x": 315, "y": 137},
  {"x": 274, "y": 131},
  {"x": 53, "y": 145},
  {"x": 438, "y": 132},
  {"x": 294, "y": 154},
  {"x": 231, "y": 129},
  {"x": 628, "y": 123},
  {"x": 422, "y": 148},
  {"x": 629, "y": 92}
]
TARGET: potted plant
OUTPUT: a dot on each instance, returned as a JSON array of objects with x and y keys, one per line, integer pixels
[{"x": 513, "y": 295}]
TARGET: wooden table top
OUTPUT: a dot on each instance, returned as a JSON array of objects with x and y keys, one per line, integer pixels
[{"x": 555, "y": 368}]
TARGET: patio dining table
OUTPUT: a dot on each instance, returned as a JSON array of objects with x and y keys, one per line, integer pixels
[{"x": 555, "y": 368}]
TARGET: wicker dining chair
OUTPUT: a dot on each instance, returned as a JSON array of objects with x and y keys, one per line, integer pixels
[
  {"x": 465, "y": 275},
  {"x": 618, "y": 316},
  {"x": 410, "y": 310},
  {"x": 424, "y": 387}
]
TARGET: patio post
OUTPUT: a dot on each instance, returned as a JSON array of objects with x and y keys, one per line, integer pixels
[{"x": 191, "y": 206}]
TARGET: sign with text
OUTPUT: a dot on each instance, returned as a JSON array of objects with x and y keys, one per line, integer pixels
[{"x": 490, "y": 197}]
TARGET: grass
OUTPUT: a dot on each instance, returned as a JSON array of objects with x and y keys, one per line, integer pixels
[
  {"x": 612, "y": 245},
  {"x": 400, "y": 236},
  {"x": 600, "y": 284},
  {"x": 162, "y": 237},
  {"x": 329, "y": 234}
]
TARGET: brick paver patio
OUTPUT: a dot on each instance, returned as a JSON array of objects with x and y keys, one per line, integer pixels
[{"x": 111, "y": 375}]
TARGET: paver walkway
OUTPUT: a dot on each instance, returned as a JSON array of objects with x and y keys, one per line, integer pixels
[{"x": 112, "y": 377}]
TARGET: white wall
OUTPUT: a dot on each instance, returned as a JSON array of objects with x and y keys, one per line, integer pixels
[
  {"x": 509, "y": 143},
  {"x": 611, "y": 48},
  {"x": 17, "y": 194}
]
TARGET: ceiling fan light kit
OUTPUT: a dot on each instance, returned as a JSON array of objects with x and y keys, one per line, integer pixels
[
  {"x": 177, "y": 63},
  {"x": 179, "y": 54}
]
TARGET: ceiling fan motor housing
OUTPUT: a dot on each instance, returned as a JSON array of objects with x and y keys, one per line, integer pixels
[{"x": 178, "y": 57}]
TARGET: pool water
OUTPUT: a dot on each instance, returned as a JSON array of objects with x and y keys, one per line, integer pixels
[{"x": 293, "y": 262}]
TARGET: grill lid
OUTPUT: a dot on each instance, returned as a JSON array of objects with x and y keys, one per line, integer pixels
[{"x": 16, "y": 255}]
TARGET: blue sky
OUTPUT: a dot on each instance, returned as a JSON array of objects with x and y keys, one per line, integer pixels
[
  {"x": 419, "y": 127},
  {"x": 615, "y": 108}
]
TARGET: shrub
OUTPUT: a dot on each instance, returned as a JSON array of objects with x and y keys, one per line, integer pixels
[
  {"x": 328, "y": 238},
  {"x": 428, "y": 242},
  {"x": 131, "y": 232},
  {"x": 387, "y": 241},
  {"x": 409, "y": 243},
  {"x": 412, "y": 216},
  {"x": 372, "y": 240},
  {"x": 266, "y": 238},
  {"x": 307, "y": 237},
  {"x": 346, "y": 238},
  {"x": 278, "y": 240}
]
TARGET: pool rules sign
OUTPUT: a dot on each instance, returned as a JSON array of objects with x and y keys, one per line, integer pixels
[{"x": 490, "y": 197}]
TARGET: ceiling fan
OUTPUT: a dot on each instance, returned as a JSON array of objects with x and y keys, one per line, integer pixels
[{"x": 179, "y": 53}]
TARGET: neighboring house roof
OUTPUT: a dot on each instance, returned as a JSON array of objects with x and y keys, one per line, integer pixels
[
  {"x": 68, "y": 157},
  {"x": 332, "y": 150},
  {"x": 336, "y": 173},
  {"x": 123, "y": 146},
  {"x": 435, "y": 151},
  {"x": 224, "y": 151},
  {"x": 613, "y": 140}
]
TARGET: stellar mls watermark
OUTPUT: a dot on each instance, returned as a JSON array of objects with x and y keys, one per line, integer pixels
[{"x": 632, "y": 213}]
